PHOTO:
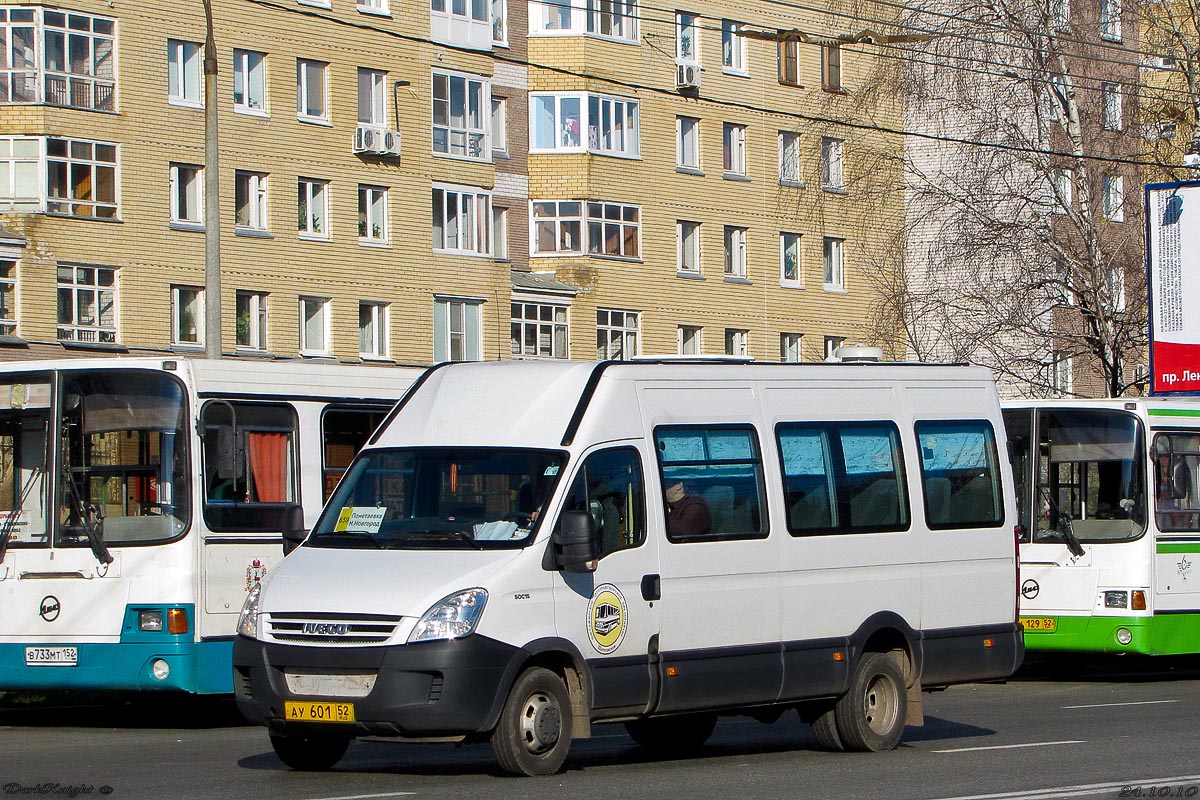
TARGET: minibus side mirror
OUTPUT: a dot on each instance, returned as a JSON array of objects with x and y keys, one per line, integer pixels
[
  {"x": 294, "y": 532},
  {"x": 574, "y": 542}
]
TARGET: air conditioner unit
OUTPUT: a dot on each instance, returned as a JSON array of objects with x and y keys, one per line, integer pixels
[
  {"x": 687, "y": 76},
  {"x": 375, "y": 139}
]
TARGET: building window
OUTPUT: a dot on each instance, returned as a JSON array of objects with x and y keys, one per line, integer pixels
[
  {"x": 834, "y": 263},
  {"x": 688, "y": 340},
  {"x": 1113, "y": 187},
  {"x": 373, "y": 6},
  {"x": 8, "y": 298},
  {"x": 737, "y": 342},
  {"x": 789, "y": 260},
  {"x": 832, "y": 343},
  {"x": 312, "y": 90},
  {"x": 312, "y": 205},
  {"x": 187, "y": 194},
  {"x": 1060, "y": 14},
  {"x": 557, "y": 227},
  {"x": 500, "y": 23},
  {"x": 789, "y": 62},
  {"x": 831, "y": 67},
  {"x": 687, "y": 142},
  {"x": 81, "y": 178},
  {"x": 614, "y": 230},
  {"x": 789, "y": 158},
  {"x": 1064, "y": 184},
  {"x": 20, "y": 167},
  {"x": 87, "y": 303},
  {"x": 687, "y": 244},
  {"x": 613, "y": 18},
  {"x": 616, "y": 334},
  {"x": 1110, "y": 20},
  {"x": 687, "y": 37},
  {"x": 314, "y": 326},
  {"x": 733, "y": 47},
  {"x": 18, "y": 43},
  {"x": 250, "y": 200},
  {"x": 184, "y": 69},
  {"x": 372, "y": 97},
  {"x": 539, "y": 330},
  {"x": 372, "y": 330},
  {"x": 249, "y": 82},
  {"x": 456, "y": 330},
  {"x": 1110, "y": 94},
  {"x": 500, "y": 233},
  {"x": 250, "y": 320},
  {"x": 187, "y": 315},
  {"x": 462, "y": 219},
  {"x": 733, "y": 146},
  {"x": 789, "y": 347},
  {"x": 557, "y": 122},
  {"x": 467, "y": 23},
  {"x": 832, "y": 176},
  {"x": 735, "y": 252},
  {"x": 499, "y": 123},
  {"x": 1061, "y": 373},
  {"x": 460, "y": 126},
  {"x": 372, "y": 214},
  {"x": 80, "y": 59}
]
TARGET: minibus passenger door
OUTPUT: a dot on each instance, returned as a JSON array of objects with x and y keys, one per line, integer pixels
[{"x": 605, "y": 612}]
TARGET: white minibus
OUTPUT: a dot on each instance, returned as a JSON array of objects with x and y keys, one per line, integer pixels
[{"x": 526, "y": 549}]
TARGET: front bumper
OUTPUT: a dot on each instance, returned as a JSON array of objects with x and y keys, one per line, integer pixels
[{"x": 423, "y": 690}]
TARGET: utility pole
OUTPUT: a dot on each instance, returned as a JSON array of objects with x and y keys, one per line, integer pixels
[{"x": 212, "y": 196}]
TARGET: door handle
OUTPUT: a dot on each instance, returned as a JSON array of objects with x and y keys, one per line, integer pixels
[{"x": 651, "y": 587}]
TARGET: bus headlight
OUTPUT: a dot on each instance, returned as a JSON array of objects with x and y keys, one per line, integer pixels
[
  {"x": 451, "y": 617},
  {"x": 248, "y": 621}
]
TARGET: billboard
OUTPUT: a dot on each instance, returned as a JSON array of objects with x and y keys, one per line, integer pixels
[{"x": 1173, "y": 281}]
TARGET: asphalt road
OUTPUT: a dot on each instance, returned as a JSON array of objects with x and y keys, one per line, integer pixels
[{"x": 1073, "y": 730}]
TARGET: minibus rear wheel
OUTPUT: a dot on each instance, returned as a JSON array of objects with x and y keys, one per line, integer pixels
[
  {"x": 678, "y": 734},
  {"x": 311, "y": 753},
  {"x": 824, "y": 728},
  {"x": 534, "y": 731},
  {"x": 870, "y": 716}
]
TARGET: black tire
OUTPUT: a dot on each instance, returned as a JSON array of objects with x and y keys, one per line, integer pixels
[
  {"x": 672, "y": 735},
  {"x": 534, "y": 731},
  {"x": 311, "y": 752},
  {"x": 824, "y": 728},
  {"x": 870, "y": 716}
]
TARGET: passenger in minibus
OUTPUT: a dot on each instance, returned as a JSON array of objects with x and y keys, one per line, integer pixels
[{"x": 687, "y": 514}]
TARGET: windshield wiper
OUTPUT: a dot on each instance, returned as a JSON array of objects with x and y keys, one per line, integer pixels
[
  {"x": 10, "y": 522},
  {"x": 1064, "y": 527},
  {"x": 92, "y": 520},
  {"x": 466, "y": 537},
  {"x": 373, "y": 539}
]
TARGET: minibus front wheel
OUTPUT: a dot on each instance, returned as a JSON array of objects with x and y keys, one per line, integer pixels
[
  {"x": 870, "y": 716},
  {"x": 534, "y": 731},
  {"x": 311, "y": 753}
]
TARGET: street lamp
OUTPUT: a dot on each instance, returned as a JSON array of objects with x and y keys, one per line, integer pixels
[{"x": 212, "y": 196}]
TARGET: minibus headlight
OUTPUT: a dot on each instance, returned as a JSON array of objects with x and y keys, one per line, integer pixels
[
  {"x": 451, "y": 617},
  {"x": 248, "y": 622}
]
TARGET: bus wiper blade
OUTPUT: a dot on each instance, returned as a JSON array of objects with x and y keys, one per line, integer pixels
[
  {"x": 92, "y": 520},
  {"x": 1070, "y": 539},
  {"x": 373, "y": 539},
  {"x": 466, "y": 537}
]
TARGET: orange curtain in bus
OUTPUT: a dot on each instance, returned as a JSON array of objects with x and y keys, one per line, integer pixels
[{"x": 268, "y": 466}]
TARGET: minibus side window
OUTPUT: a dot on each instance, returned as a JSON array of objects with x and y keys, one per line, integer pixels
[
  {"x": 842, "y": 477},
  {"x": 717, "y": 470},
  {"x": 609, "y": 486},
  {"x": 343, "y": 433},
  {"x": 959, "y": 476}
]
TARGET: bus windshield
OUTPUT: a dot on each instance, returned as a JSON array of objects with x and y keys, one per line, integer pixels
[
  {"x": 1176, "y": 473},
  {"x": 439, "y": 498},
  {"x": 124, "y": 459}
]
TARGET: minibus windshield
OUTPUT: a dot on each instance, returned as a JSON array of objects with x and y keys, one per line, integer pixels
[{"x": 439, "y": 498}]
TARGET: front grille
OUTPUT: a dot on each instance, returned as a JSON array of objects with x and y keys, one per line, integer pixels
[{"x": 336, "y": 629}]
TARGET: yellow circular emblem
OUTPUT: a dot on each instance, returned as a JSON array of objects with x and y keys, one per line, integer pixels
[{"x": 606, "y": 618}]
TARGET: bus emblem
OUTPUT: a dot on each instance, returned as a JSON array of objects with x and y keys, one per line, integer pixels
[
  {"x": 607, "y": 619},
  {"x": 326, "y": 628},
  {"x": 1030, "y": 589},
  {"x": 50, "y": 608}
]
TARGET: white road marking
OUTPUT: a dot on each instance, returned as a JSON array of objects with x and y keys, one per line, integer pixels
[
  {"x": 1010, "y": 746},
  {"x": 1081, "y": 790},
  {"x": 1134, "y": 703},
  {"x": 365, "y": 796}
]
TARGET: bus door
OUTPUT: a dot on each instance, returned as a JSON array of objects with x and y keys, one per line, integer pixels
[{"x": 1176, "y": 469}]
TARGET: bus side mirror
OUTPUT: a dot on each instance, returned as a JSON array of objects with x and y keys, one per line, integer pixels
[
  {"x": 294, "y": 532},
  {"x": 574, "y": 542}
]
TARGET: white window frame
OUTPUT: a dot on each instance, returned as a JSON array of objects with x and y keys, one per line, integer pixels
[
  {"x": 612, "y": 19},
  {"x": 185, "y": 73},
  {"x": 1113, "y": 187},
  {"x": 1110, "y": 20},
  {"x": 467, "y": 23},
  {"x": 791, "y": 348},
  {"x": 733, "y": 149},
  {"x": 618, "y": 334},
  {"x": 179, "y": 337},
  {"x": 21, "y": 80},
  {"x": 789, "y": 159},
  {"x": 86, "y": 280},
  {"x": 257, "y": 319},
  {"x": 600, "y": 221},
  {"x": 500, "y": 23},
  {"x": 687, "y": 37},
  {"x": 323, "y": 306},
  {"x": 688, "y": 251},
  {"x": 372, "y": 96},
  {"x": 832, "y": 343},
  {"x": 561, "y": 219},
  {"x": 374, "y": 329},
  {"x": 689, "y": 340},
  {"x": 1111, "y": 113},
  {"x": 95, "y": 86},
  {"x": 8, "y": 296},
  {"x": 550, "y": 327},
  {"x": 1060, "y": 14},
  {"x": 733, "y": 48},
  {"x": 312, "y": 199},
  {"x": 687, "y": 143},
  {"x": 250, "y": 82},
  {"x": 737, "y": 342},
  {"x": 499, "y": 233},
  {"x": 250, "y": 191},
  {"x": 187, "y": 195},
  {"x": 499, "y": 125},
  {"x": 375, "y": 7},
  {"x": 833, "y": 175},
  {"x": 472, "y": 239},
  {"x": 25, "y": 161},
  {"x": 791, "y": 242},
  {"x": 606, "y": 125},
  {"x": 469, "y": 312},
  {"x": 475, "y": 136},
  {"x": 833, "y": 257},
  {"x": 305, "y": 80},
  {"x": 735, "y": 251},
  {"x": 373, "y": 215},
  {"x": 1062, "y": 373},
  {"x": 73, "y": 158}
]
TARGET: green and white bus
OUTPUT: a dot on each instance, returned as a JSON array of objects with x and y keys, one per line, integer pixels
[{"x": 1109, "y": 512}]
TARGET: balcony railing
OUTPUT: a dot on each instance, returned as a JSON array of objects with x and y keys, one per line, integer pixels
[{"x": 72, "y": 91}]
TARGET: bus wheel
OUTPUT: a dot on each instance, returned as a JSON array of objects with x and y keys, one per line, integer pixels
[
  {"x": 310, "y": 753},
  {"x": 680, "y": 734},
  {"x": 534, "y": 731},
  {"x": 870, "y": 716}
]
